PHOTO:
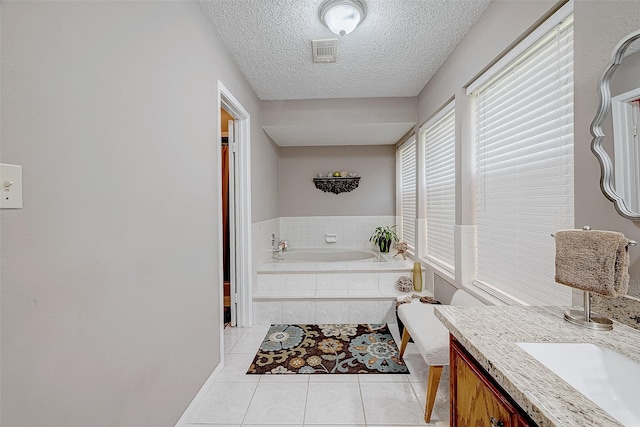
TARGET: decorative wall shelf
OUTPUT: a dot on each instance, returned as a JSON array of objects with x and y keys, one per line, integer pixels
[{"x": 336, "y": 185}]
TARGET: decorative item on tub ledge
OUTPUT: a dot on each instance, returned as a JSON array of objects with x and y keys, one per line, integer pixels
[
  {"x": 401, "y": 248},
  {"x": 417, "y": 277},
  {"x": 383, "y": 236},
  {"x": 340, "y": 183},
  {"x": 404, "y": 284}
]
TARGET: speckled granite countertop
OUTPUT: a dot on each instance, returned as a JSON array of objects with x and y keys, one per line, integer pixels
[{"x": 490, "y": 335}]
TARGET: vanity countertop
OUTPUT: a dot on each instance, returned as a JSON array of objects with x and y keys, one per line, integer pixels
[{"x": 490, "y": 335}]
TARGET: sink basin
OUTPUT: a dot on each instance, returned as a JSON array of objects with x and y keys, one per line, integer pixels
[{"x": 606, "y": 377}]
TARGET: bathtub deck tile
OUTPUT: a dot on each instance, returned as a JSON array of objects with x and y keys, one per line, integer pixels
[
  {"x": 331, "y": 266},
  {"x": 293, "y": 293},
  {"x": 332, "y": 293},
  {"x": 364, "y": 293},
  {"x": 331, "y": 282},
  {"x": 301, "y": 267}
]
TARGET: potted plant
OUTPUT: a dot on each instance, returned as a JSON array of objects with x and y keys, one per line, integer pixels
[{"x": 382, "y": 236}]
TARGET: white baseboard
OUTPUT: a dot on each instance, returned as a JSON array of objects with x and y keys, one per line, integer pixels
[{"x": 182, "y": 422}]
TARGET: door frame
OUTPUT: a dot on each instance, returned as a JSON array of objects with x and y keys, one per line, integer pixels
[{"x": 227, "y": 101}]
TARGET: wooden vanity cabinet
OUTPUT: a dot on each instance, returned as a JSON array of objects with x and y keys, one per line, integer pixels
[{"x": 475, "y": 399}]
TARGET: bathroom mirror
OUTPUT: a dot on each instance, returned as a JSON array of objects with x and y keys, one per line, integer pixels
[{"x": 615, "y": 127}]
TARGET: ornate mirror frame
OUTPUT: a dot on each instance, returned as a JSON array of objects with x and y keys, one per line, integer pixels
[{"x": 604, "y": 108}]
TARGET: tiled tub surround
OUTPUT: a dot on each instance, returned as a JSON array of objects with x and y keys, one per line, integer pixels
[
  {"x": 328, "y": 292},
  {"x": 490, "y": 335},
  {"x": 351, "y": 231}
]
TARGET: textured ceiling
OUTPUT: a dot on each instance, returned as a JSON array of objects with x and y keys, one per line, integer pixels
[{"x": 393, "y": 52}]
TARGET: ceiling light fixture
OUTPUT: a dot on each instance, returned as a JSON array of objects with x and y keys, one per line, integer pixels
[{"x": 342, "y": 16}]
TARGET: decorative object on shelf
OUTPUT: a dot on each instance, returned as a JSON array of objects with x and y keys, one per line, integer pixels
[
  {"x": 383, "y": 236},
  {"x": 404, "y": 284},
  {"x": 336, "y": 185},
  {"x": 401, "y": 248},
  {"x": 353, "y": 174},
  {"x": 417, "y": 277}
]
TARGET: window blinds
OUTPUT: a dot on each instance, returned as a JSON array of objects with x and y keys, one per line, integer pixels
[
  {"x": 408, "y": 178},
  {"x": 440, "y": 196},
  {"x": 524, "y": 136}
]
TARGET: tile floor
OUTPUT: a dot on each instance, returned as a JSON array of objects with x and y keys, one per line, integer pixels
[{"x": 236, "y": 399}]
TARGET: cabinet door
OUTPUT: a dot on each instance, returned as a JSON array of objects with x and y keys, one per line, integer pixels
[{"x": 475, "y": 401}]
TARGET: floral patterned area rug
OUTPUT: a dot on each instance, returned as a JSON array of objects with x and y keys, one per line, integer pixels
[{"x": 328, "y": 349}]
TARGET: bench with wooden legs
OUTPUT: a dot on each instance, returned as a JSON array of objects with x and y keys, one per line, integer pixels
[{"x": 431, "y": 338}]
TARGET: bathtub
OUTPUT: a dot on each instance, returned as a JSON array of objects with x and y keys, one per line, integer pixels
[
  {"x": 327, "y": 255},
  {"x": 328, "y": 285}
]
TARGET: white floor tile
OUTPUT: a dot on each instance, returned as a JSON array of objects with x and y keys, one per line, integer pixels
[
  {"x": 418, "y": 368},
  {"x": 229, "y": 342},
  {"x": 337, "y": 425},
  {"x": 234, "y": 331},
  {"x": 393, "y": 403},
  {"x": 333, "y": 378},
  {"x": 209, "y": 424},
  {"x": 248, "y": 343},
  {"x": 334, "y": 403},
  {"x": 441, "y": 405},
  {"x": 383, "y": 378},
  {"x": 259, "y": 329},
  {"x": 233, "y": 397},
  {"x": 235, "y": 369},
  {"x": 275, "y": 404},
  {"x": 284, "y": 378}
]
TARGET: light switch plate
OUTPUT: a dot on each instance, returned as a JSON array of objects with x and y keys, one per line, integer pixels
[{"x": 10, "y": 186}]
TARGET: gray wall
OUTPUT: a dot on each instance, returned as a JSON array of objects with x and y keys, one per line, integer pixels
[
  {"x": 361, "y": 110},
  {"x": 110, "y": 307},
  {"x": 501, "y": 24},
  {"x": 374, "y": 196},
  {"x": 599, "y": 26}
]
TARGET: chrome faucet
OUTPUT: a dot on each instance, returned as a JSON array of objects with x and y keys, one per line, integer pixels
[{"x": 276, "y": 248}]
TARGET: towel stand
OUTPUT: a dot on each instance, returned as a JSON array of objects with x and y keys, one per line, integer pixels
[
  {"x": 584, "y": 317},
  {"x": 587, "y": 228}
]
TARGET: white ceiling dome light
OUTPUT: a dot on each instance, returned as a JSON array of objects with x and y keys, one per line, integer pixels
[{"x": 342, "y": 16}]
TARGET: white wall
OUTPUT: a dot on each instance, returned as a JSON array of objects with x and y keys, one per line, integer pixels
[
  {"x": 110, "y": 306},
  {"x": 375, "y": 194},
  {"x": 599, "y": 26}
]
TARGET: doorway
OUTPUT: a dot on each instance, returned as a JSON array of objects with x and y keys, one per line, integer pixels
[
  {"x": 227, "y": 121},
  {"x": 234, "y": 243}
]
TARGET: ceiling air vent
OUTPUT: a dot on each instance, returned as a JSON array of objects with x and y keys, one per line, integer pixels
[{"x": 324, "y": 50}]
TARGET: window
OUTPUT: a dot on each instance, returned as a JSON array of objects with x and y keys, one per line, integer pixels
[
  {"x": 439, "y": 185},
  {"x": 407, "y": 175},
  {"x": 524, "y": 148}
]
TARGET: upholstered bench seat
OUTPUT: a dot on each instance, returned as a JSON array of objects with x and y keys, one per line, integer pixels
[{"x": 431, "y": 338}]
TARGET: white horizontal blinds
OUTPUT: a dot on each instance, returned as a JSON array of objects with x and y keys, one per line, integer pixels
[
  {"x": 524, "y": 136},
  {"x": 440, "y": 196},
  {"x": 408, "y": 179}
]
